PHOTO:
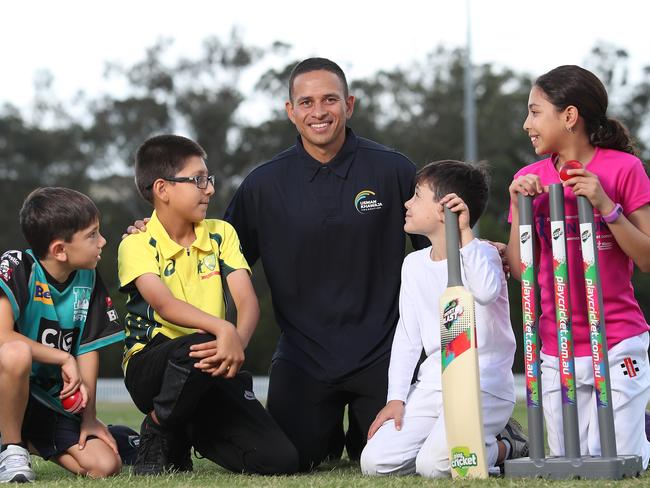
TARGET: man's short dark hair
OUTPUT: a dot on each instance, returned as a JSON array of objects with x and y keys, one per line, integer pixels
[
  {"x": 469, "y": 181},
  {"x": 162, "y": 157},
  {"x": 55, "y": 213},
  {"x": 317, "y": 64}
]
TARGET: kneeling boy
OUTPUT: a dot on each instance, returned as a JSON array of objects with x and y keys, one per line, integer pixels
[
  {"x": 55, "y": 313},
  {"x": 182, "y": 358},
  {"x": 408, "y": 434}
]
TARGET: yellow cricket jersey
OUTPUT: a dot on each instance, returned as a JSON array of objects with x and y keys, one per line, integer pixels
[{"x": 193, "y": 275}]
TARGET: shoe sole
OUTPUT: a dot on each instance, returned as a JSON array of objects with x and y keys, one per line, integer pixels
[{"x": 19, "y": 478}]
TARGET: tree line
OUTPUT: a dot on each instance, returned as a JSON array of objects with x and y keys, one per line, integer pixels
[{"x": 89, "y": 144}]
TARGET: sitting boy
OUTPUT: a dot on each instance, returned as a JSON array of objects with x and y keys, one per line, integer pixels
[
  {"x": 182, "y": 358},
  {"x": 408, "y": 436},
  {"x": 55, "y": 313}
]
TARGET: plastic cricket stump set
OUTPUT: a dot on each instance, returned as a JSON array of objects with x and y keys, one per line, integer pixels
[{"x": 609, "y": 465}]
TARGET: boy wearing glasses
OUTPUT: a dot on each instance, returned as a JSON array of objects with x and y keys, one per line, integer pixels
[{"x": 182, "y": 359}]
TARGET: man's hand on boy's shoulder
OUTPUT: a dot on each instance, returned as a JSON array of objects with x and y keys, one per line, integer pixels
[
  {"x": 137, "y": 227},
  {"x": 221, "y": 357}
]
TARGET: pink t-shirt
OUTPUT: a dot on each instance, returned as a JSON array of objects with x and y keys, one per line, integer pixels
[{"x": 624, "y": 179}]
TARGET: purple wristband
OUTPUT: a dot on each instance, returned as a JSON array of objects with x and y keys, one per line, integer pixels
[{"x": 614, "y": 214}]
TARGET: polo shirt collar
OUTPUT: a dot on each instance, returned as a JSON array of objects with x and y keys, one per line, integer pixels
[
  {"x": 168, "y": 247},
  {"x": 339, "y": 164}
]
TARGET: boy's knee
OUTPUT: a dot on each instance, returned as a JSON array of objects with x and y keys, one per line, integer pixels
[
  {"x": 369, "y": 461},
  {"x": 377, "y": 461},
  {"x": 281, "y": 459},
  {"x": 181, "y": 353},
  {"x": 103, "y": 467},
  {"x": 429, "y": 466},
  {"x": 15, "y": 356}
]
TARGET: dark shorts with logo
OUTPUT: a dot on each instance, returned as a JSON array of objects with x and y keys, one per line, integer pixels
[
  {"x": 221, "y": 417},
  {"x": 51, "y": 433}
]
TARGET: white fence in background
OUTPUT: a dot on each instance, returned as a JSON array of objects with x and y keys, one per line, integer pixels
[{"x": 112, "y": 390}]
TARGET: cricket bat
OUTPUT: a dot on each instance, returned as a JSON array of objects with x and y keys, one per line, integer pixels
[{"x": 461, "y": 390}]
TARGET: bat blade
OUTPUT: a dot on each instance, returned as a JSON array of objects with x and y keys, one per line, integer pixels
[{"x": 461, "y": 390}]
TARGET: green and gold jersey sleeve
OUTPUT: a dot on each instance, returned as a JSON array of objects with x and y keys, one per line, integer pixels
[{"x": 137, "y": 255}]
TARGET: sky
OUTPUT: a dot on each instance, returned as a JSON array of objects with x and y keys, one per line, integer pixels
[{"x": 74, "y": 39}]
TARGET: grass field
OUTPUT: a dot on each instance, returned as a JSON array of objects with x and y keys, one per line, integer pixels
[{"x": 341, "y": 474}]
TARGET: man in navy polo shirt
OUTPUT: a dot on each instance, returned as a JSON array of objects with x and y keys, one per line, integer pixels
[{"x": 326, "y": 217}]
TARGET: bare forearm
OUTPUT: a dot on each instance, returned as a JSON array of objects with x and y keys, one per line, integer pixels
[
  {"x": 632, "y": 242},
  {"x": 89, "y": 369},
  {"x": 513, "y": 251},
  {"x": 248, "y": 315},
  {"x": 182, "y": 313},
  {"x": 40, "y": 352}
]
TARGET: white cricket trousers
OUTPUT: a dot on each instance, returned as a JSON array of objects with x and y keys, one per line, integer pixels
[
  {"x": 630, "y": 384},
  {"x": 421, "y": 446}
]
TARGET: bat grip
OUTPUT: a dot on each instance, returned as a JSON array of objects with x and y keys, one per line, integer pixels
[{"x": 452, "y": 241}]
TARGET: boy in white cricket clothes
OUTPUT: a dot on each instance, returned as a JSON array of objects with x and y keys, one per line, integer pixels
[{"x": 408, "y": 436}]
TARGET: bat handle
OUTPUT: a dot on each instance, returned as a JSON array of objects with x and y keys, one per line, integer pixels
[{"x": 452, "y": 241}]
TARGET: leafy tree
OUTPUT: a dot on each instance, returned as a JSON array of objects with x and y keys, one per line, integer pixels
[{"x": 416, "y": 108}]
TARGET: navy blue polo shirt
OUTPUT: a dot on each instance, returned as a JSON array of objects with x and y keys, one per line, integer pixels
[{"x": 332, "y": 243}]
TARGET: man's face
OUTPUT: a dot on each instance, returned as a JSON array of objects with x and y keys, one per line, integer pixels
[{"x": 320, "y": 110}]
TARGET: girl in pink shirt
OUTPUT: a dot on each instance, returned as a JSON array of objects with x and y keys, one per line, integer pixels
[{"x": 567, "y": 120}]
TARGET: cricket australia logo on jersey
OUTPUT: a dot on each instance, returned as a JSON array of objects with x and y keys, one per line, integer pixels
[
  {"x": 81, "y": 303},
  {"x": 367, "y": 201},
  {"x": 208, "y": 266}
]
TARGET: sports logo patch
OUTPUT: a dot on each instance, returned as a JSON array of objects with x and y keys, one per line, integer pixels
[
  {"x": 452, "y": 311},
  {"x": 630, "y": 367},
  {"x": 367, "y": 201},
  {"x": 82, "y": 296},
  {"x": 42, "y": 293},
  {"x": 462, "y": 459},
  {"x": 110, "y": 311},
  {"x": 52, "y": 335}
]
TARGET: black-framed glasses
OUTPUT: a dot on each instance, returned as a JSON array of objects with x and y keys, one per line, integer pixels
[{"x": 201, "y": 181}]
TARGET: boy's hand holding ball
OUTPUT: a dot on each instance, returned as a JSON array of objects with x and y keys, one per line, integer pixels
[{"x": 74, "y": 403}]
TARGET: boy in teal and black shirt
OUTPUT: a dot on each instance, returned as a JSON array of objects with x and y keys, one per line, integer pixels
[{"x": 55, "y": 313}]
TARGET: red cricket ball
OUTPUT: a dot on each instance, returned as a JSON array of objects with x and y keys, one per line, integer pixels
[
  {"x": 73, "y": 403},
  {"x": 571, "y": 164}
]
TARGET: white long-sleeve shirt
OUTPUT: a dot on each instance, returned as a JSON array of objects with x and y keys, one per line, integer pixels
[{"x": 423, "y": 282}]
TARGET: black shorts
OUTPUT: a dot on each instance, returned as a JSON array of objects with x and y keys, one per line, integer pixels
[{"x": 52, "y": 433}]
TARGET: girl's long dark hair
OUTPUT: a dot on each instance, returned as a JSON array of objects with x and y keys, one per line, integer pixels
[{"x": 572, "y": 85}]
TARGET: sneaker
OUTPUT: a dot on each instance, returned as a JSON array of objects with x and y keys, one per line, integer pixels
[
  {"x": 15, "y": 465},
  {"x": 180, "y": 452},
  {"x": 153, "y": 451},
  {"x": 513, "y": 432}
]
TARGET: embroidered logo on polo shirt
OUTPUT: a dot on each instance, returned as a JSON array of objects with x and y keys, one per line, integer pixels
[
  {"x": 367, "y": 201},
  {"x": 208, "y": 265}
]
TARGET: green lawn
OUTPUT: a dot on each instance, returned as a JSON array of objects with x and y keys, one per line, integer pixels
[{"x": 341, "y": 474}]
